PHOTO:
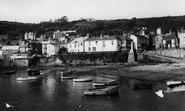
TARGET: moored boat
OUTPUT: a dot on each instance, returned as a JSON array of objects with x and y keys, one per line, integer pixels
[
  {"x": 107, "y": 83},
  {"x": 29, "y": 78},
  {"x": 67, "y": 77},
  {"x": 9, "y": 72},
  {"x": 174, "y": 82},
  {"x": 26, "y": 78},
  {"x": 83, "y": 79},
  {"x": 102, "y": 90},
  {"x": 33, "y": 72}
]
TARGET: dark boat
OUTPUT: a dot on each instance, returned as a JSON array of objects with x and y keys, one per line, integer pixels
[
  {"x": 102, "y": 90},
  {"x": 107, "y": 83},
  {"x": 33, "y": 72},
  {"x": 9, "y": 72}
]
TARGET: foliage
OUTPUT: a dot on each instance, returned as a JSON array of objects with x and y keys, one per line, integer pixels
[
  {"x": 94, "y": 58},
  {"x": 94, "y": 28}
]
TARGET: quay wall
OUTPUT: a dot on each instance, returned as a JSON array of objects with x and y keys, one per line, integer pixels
[{"x": 175, "y": 53}]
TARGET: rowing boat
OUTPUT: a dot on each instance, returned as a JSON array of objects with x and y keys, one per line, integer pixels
[
  {"x": 107, "y": 83},
  {"x": 83, "y": 79},
  {"x": 102, "y": 90}
]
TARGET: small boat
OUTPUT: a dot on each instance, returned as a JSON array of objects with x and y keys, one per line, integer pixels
[
  {"x": 174, "y": 82},
  {"x": 29, "y": 78},
  {"x": 101, "y": 90},
  {"x": 83, "y": 79},
  {"x": 107, "y": 83},
  {"x": 67, "y": 77},
  {"x": 33, "y": 72},
  {"x": 9, "y": 72},
  {"x": 26, "y": 78},
  {"x": 45, "y": 73},
  {"x": 175, "y": 89}
]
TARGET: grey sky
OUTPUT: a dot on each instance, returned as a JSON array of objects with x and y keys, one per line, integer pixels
[{"x": 35, "y": 11}]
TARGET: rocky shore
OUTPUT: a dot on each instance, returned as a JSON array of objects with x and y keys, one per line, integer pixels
[{"x": 156, "y": 72}]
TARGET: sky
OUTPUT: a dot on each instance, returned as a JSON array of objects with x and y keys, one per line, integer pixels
[{"x": 36, "y": 11}]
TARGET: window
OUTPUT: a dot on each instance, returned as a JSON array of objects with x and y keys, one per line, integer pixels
[
  {"x": 103, "y": 44},
  {"x": 89, "y": 43},
  {"x": 70, "y": 45},
  {"x": 112, "y": 42},
  {"x": 94, "y": 48},
  {"x": 75, "y": 45},
  {"x": 89, "y": 49}
]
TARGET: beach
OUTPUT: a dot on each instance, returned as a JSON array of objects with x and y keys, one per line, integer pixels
[{"x": 153, "y": 72}]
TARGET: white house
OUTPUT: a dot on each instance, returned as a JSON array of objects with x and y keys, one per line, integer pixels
[
  {"x": 76, "y": 45},
  {"x": 52, "y": 49},
  {"x": 140, "y": 42},
  {"x": 102, "y": 44},
  {"x": 29, "y": 35},
  {"x": 181, "y": 35},
  {"x": 49, "y": 48}
]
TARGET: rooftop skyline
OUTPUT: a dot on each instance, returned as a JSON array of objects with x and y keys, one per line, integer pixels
[{"x": 36, "y": 11}]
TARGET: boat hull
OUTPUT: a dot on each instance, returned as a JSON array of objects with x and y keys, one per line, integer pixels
[
  {"x": 101, "y": 91},
  {"x": 108, "y": 83},
  {"x": 9, "y": 72},
  {"x": 26, "y": 78},
  {"x": 83, "y": 80}
]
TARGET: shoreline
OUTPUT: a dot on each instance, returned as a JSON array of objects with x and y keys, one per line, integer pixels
[{"x": 158, "y": 72}]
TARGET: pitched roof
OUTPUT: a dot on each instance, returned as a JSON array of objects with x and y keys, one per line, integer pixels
[
  {"x": 170, "y": 36},
  {"x": 78, "y": 40},
  {"x": 103, "y": 38},
  {"x": 10, "y": 47}
]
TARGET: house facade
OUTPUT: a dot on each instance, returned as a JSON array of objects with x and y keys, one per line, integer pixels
[
  {"x": 29, "y": 36},
  {"x": 140, "y": 42},
  {"x": 181, "y": 35},
  {"x": 34, "y": 48},
  {"x": 170, "y": 41},
  {"x": 125, "y": 42},
  {"x": 76, "y": 45},
  {"x": 49, "y": 47},
  {"x": 52, "y": 49},
  {"x": 159, "y": 41},
  {"x": 102, "y": 44}
]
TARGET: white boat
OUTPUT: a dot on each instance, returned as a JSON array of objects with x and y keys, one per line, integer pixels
[
  {"x": 174, "y": 82},
  {"x": 107, "y": 83},
  {"x": 26, "y": 78},
  {"x": 175, "y": 89},
  {"x": 102, "y": 90},
  {"x": 82, "y": 79},
  {"x": 29, "y": 78}
]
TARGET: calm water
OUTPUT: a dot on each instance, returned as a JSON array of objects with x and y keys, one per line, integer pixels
[{"x": 54, "y": 94}]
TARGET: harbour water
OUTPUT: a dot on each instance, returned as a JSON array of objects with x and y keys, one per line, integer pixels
[{"x": 52, "y": 93}]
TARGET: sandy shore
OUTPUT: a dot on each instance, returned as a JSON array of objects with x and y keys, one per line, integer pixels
[{"x": 159, "y": 72}]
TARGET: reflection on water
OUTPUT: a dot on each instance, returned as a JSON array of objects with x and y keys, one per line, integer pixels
[
  {"x": 52, "y": 93},
  {"x": 48, "y": 88}
]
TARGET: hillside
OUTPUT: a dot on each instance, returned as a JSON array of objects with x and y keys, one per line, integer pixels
[{"x": 110, "y": 27}]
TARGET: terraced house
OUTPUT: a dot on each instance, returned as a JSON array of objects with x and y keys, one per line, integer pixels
[{"x": 102, "y": 44}]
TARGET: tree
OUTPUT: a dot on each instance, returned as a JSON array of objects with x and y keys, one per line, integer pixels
[{"x": 62, "y": 50}]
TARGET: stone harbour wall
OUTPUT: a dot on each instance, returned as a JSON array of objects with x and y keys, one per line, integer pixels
[{"x": 175, "y": 53}]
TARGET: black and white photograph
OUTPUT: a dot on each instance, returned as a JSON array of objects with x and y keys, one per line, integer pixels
[{"x": 92, "y": 55}]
